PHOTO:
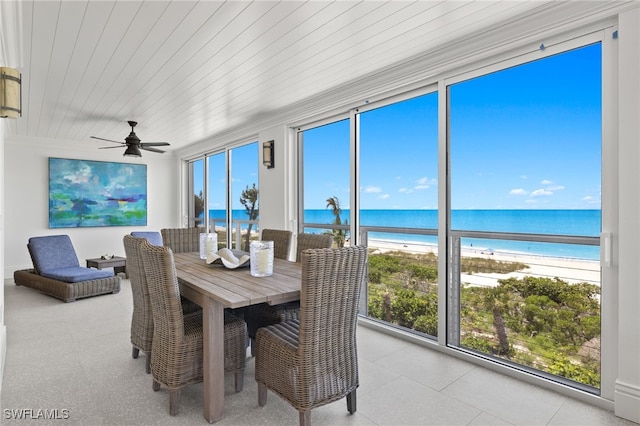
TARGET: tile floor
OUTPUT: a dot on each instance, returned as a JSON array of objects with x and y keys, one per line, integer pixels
[{"x": 76, "y": 358}]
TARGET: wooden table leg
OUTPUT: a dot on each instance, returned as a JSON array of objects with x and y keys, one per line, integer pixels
[{"x": 213, "y": 330}]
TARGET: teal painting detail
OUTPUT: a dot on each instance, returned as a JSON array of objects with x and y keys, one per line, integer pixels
[{"x": 85, "y": 193}]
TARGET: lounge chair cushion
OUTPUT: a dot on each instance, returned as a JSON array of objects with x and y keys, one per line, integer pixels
[
  {"x": 75, "y": 274},
  {"x": 54, "y": 257},
  {"x": 52, "y": 252}
]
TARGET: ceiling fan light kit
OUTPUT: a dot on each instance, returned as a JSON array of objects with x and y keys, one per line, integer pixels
[
  {"x": 132, "y": 151},
  {"x": 133, "y": 144}
]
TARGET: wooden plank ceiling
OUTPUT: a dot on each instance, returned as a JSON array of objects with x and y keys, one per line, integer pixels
[{"x": 187, "y": 70}]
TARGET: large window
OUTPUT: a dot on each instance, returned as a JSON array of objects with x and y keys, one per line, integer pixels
[
  {"x": 244, "y": 194},
  {"x": 325, "y": 167},
  {"x": 217, "y": 193},
  {"x": 525, "y": 158},
  {"x": 398, "y": 199},
  {"x": 196, "y": 214},
  {"x": 231, "y": 194},
  {"x": 519, "y": 231}
]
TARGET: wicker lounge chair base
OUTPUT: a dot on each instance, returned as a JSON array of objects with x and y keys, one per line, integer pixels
[{"x": 67, "y": 292}]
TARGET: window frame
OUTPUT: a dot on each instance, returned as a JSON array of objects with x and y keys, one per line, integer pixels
[{"x": 475, "y": 65}]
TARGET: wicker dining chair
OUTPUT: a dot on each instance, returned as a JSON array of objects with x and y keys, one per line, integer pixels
[
  {"x": 154, "y": 237},
  {"x": 253, "y": 315},
  {"x": 177, "y": 349},
  {"x": 313, "y": 361},
  {"x": 264, "y": 314},
  {"x": 181, "y": 240},
  {"x": 142, "y": 318},
  {"x": 312, "y": 241},
  {"x": 281, "y": 241}
]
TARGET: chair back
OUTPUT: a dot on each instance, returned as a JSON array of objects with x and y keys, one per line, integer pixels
[
  {"x": 142, "y": 318},
  {"x": 312, "y": 241},
  {"x": 329, "y": 298},
  {"x": 177, "y": 349},
  {"x": 281, "y": 241},
  {"x": 52, "y": 252},
  {"x": 154, "y": 237},
  {"x": 164, "y": 292},
  {"x": 181, "y": 240}
]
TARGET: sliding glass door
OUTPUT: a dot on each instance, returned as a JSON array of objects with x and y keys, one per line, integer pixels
[
  {"x": 398, "y": 200},
  {"x": 516, "y": 242},
  {"x": 525, "y": 149}
]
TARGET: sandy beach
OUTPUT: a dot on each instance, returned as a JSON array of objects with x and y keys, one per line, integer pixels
[{"x": 569, "y": 270}]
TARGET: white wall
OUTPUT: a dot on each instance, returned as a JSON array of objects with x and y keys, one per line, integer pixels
[
  {"x": 3, "y": 327},
  {"x": 26, "y": 199},
  {"x": 274, "y": 196},
  {"x": 627, "y": 386}
]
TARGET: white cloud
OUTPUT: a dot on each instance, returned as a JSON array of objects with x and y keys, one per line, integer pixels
[
  {"x": 546, "y": 182},
  {"x": 591, "y": 200},
  {"x": 383, "y": 197},
  {"x": 541, "y": 192},
  {"x": 518, "y": 191},
  {"x": 555, "y": 188},
  {"x": 405, "y": 190},
  {"x": 524, "y": 177},
  {"x": 372, "y": 189},
  {"x": 426, "y": 181}
]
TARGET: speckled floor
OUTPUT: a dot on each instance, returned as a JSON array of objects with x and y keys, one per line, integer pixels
[{"x": 74, "y": 360}]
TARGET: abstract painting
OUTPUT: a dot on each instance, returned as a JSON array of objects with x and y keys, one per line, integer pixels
[{"x": 85, "y": 193}]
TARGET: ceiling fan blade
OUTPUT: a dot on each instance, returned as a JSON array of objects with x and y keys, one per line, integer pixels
[
  {"x": 133, "y": 144},
  {"x": 155, "y": 144},
  {"x": 107, "y": 140},
  {"x": 146, "y": 148}
]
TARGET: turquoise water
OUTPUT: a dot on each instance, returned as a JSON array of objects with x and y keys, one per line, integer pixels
[{"x": 551, "y": 222}]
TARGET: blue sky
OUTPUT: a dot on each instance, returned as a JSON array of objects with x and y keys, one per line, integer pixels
[
  {"x": 244, "y": 167},
  {"x": 528, "y": 137}
]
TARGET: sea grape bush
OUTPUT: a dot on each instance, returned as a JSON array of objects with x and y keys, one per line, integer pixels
[{"x": 544, "y": 323}]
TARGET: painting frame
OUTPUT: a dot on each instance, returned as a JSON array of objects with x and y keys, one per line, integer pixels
[{"x": 90, "y": 193}]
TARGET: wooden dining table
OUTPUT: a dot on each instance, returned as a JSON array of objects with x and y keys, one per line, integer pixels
[{"x": 215, "y": 288}]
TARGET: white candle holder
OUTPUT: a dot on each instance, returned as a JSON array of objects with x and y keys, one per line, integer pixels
[
  {"x": 261, "y": 254},
  {"x": 208, "y": 244}
]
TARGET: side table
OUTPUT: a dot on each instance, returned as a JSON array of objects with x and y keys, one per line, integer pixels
[{"x": 119, "y": 264}]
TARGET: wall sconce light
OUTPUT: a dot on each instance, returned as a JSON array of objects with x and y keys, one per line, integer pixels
[
  {"x": 267, "y": 154},
  {"x": 10, "y": 93}
]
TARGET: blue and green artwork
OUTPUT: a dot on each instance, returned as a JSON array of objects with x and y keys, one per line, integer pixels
[{"x": 85, "y": 193}]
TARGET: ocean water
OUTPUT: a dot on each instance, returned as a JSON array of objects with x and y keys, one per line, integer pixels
[{"x": 550, "y": 222}]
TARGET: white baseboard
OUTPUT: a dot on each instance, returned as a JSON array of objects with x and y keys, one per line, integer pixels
[{"x": 627, "y": 401}]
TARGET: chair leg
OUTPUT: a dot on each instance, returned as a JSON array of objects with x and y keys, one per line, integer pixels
[
  {"x": 155, "y": 386},
  {"x": 135, "y": 352},
  {"x": 262, "y": 394},
  {"x": 351, "y": 401},
  {"x": 252, "y": 342},
  {"x": 305, "y": 418},
  {"x": 148, "y": 363},
  {"x": 239, "y": 380},
  {"x": 174, "y": 401}
]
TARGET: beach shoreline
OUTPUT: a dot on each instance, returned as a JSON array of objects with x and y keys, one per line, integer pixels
[
  {"x": 568, "y": 269},
  {"x": 571, "y": 270}
]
